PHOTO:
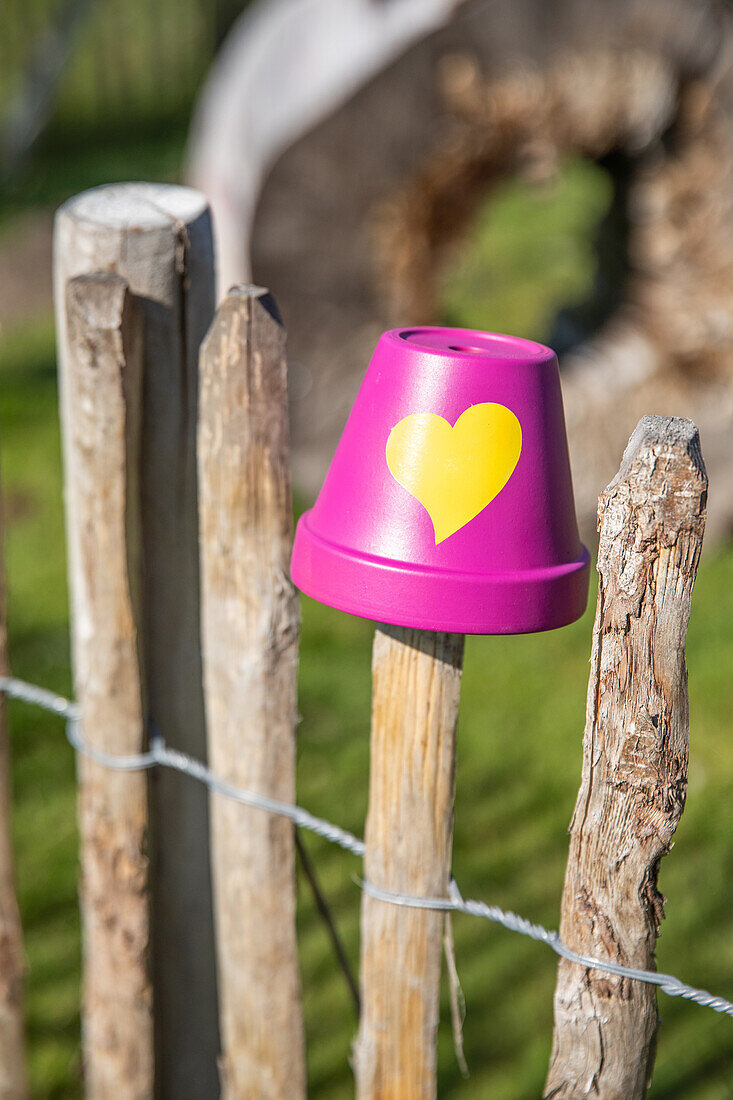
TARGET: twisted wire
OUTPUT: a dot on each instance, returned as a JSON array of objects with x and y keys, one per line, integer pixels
[{"x": 159, "y": 755}]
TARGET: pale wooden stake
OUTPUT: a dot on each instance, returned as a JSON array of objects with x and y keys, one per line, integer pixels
[
  {"x": 409, "y": 835},
  {"x": 250, "y": 640},
  {"x": 651, "y": 522},
  {"x": 13, "y": 1082},
  {"x": 158, "y": 238},
  {"x": 103, "y": 380}
]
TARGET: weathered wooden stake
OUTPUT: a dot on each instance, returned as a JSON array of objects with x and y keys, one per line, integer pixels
[
  {"x": 651, "y": 522},
  {"x": 158, "y": 238},
  {"x": 13, "y": 1083},
  {"x": 250, "y": 642},
  {"x": 102, "y": 378},
  {"x": 409, "y": 834}
]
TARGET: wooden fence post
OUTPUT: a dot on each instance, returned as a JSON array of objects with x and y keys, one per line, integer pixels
[
  {"x": 409, "y": 834},
  {"x": 158, "y": 238},
  {"x": 651, "y": 522},
  {"x": 102, "y": 379},
  {"x": 250, "y": 643},
  {"x": 13, "y": 1083}
]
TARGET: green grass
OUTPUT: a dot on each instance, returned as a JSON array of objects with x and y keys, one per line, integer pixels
[
  {"x": 151, "y": 151},
  {"x": 123, "y": 104},
  {"x": 529, "y": 252},
  {"x": 130, "y": 58},
  {"x": 519, "y": 764},
  {"x": 43, "y": 768}
]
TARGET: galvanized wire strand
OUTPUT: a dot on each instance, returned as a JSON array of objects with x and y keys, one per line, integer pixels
[
  {"x": 38, "y": 696},
  {"x": 514, "y": 923},
  {"x": 178, "y": 761},
  {"x": 160, "y": 755}
]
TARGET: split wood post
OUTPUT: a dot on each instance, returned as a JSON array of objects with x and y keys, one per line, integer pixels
[
  {"x": 409, "y": 836},
  {"x": 102, "y": 380},
  {"x": 158, "y": 238},
  {"x": 651, "y": 520},
  {"x": 250, "y": 630},
  {"x": 13, "y": 1082}
]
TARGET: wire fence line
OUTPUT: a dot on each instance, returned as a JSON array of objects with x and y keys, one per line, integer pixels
[{"x": 159, "y": 755}]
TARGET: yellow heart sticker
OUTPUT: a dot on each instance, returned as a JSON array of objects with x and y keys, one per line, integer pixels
[{"x": 454, "y": 472}]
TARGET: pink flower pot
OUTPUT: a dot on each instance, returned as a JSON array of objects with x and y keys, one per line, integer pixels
[{"x": 449, "y": 504}]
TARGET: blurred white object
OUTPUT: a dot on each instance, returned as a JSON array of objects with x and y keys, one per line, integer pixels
[{"x": 286, "y": 65}]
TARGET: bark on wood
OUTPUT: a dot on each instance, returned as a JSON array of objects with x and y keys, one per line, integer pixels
[
  {"x": 651, "y": 522},
  {"x": 250, "y": 641},
  {"x": 409, "y": 836},
  {"x": 103, "y": 381},
  {"x": 158, "y": 238},
  {"x": 13, "y": 1083}
]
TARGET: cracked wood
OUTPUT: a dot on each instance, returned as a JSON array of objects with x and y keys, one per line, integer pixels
[
  {"x": 651, "y": 520},
  {"x": 158, "y": 238},
  {"x": 102, "y": 381},
  {"x": 409, "y": 836},
  {"x": 250, "y": 627}
]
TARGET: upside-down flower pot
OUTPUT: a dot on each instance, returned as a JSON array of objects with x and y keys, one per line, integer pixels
[{"x": 449, "y": 503}]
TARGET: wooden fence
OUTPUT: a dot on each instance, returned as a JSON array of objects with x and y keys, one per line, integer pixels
[{"x": 185, "y": 625}]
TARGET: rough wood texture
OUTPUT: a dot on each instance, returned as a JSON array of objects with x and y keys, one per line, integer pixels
[
  {"x": 13, "y": 1084},
  {"x": 103, "y": 381},
  {"x": 409, "y": 836},
  {"x": 651, "y": 522},
  {"x": 250, "y": 643},
  {"x": 158, "y": 238}
]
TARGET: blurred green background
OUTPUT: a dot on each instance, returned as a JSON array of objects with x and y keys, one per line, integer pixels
[{"x": 523, "y": 698}]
